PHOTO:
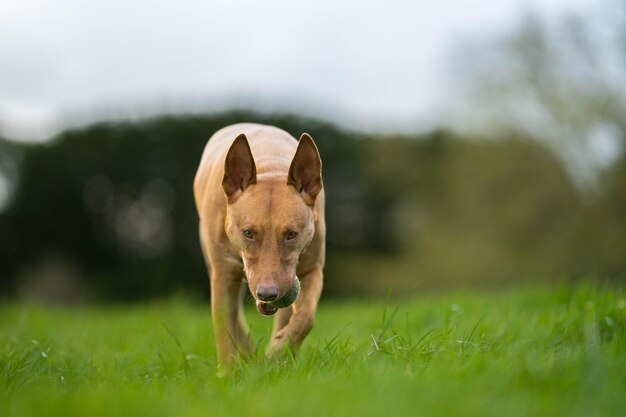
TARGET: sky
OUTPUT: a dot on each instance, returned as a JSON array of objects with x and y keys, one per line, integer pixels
[{"x": 367, "y": 65}]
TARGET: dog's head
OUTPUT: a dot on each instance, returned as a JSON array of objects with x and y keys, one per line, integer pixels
[{"x": 271, "y": 221}]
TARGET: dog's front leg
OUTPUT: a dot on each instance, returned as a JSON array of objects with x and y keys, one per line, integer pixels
[
  {"x": 303, "y": 317},
  {"x": 283, "y": 316},
  {"x": 227, "y": 325}
]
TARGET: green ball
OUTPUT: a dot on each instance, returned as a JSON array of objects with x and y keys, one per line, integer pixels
[{"x": 289, "y": 298}]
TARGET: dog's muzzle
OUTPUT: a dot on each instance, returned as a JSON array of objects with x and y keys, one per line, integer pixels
[{"x": 270, "y": 308}]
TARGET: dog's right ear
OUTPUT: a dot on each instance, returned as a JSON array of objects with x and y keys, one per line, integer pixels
[{"x": 239, "y": 167}]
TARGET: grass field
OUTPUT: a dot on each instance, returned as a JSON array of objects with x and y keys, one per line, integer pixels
[{"x": 541, "y": 352}]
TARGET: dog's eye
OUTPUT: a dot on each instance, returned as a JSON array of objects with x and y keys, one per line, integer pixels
[
  {"x": 248, "y": 234},
  {"x": 291, "y": 236}
]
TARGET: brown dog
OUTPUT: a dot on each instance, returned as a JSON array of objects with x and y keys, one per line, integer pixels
[{"x": 261, "y": 205}]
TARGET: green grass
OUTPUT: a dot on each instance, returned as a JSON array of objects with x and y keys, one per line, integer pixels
[{"x": 543, "y": 352}]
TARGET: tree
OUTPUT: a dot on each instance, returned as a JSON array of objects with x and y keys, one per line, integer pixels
[{"x": 560, "y": 83}]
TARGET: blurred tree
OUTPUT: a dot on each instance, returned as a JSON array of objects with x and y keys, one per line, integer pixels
[
  {"x": 561, "y": 83},
  {"x": 114, "y": 200},
  {"x": 107, "y": 212},
  {"x": 471, "y": 213}
]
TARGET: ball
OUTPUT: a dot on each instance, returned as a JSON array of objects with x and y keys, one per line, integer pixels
[{"x": 290, "y": 296}]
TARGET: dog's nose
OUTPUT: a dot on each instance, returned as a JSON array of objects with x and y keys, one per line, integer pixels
[{"x": 267, "y": 292}]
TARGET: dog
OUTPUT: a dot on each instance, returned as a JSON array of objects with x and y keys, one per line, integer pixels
[{"x": 260, "y": 201}]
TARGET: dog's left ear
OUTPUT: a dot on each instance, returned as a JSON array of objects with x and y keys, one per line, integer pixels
[
  {"x": 239, "y": 168},
  {"x": 305, "y": 172}
]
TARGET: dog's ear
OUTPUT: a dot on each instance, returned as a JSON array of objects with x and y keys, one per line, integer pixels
[
  {"x": 239, "y": 167},
  {"x": 305, "y": 172}
]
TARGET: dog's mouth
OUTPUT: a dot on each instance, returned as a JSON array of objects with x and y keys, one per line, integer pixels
[
  {"x": 270, "y": 308},
  {"x": 265, "y": 308}
]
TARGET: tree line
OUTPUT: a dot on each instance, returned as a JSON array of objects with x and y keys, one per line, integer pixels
[{"x": 106, "y": 211}]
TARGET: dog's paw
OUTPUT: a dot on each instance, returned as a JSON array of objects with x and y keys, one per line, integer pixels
[
  {"x": 279, "y": 346},
  {"x": 224, "y": 371}
]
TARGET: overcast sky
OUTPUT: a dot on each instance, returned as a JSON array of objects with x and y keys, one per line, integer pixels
[{"x": 365, "y": 64}]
